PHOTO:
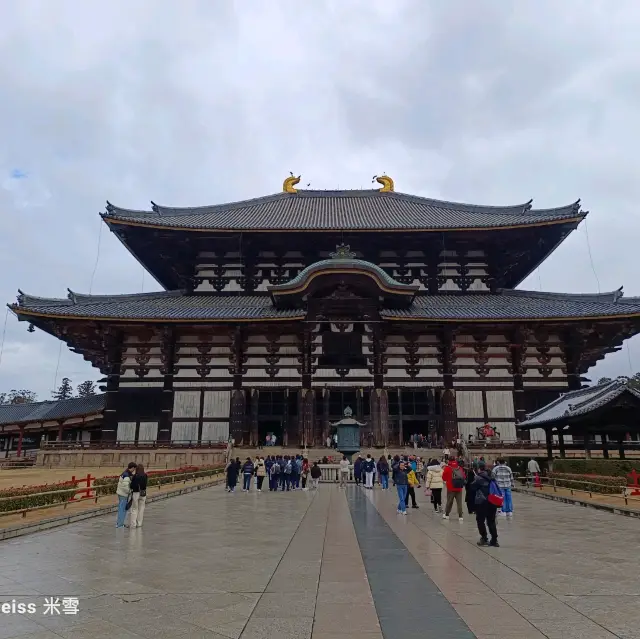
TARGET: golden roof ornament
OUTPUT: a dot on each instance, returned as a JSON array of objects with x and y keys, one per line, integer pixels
[
  {"x": 288, "y": 186},
  {"x": 386, "y": 181},
  {"x": 343, "y": 252}
]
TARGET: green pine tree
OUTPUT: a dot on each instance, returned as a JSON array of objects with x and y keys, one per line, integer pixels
[{"x": 65, "y": 391}]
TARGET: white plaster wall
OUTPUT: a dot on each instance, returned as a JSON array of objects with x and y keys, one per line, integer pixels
[
  {"x": 184, "y": 431},
  {"x": 148, "y": 431},
  {"x": 217, "y": 404},
  {"x": 215, "y": 432},
  {"x": 186, "y": 404},
  {"x": 126, "y": 431}
]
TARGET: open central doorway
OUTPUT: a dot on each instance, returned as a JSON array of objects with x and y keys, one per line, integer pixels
[{"x": 270, "y": 426}]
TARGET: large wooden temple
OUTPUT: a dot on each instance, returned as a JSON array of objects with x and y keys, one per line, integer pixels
[{"x": 280, "y": 311}]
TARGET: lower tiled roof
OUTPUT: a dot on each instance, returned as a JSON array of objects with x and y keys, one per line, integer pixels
[
  {"x": 47, "y": 411},
  {"x": 170, "y": 306},
  {"x": 577, "y": 403}
]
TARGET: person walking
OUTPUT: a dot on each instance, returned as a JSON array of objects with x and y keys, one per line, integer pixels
[
  {"x": 344, "y": 471},
  {"x": 248, "y": 469},
  {"x": 503, "y": 475},
  {"x": 369, "y": 468},
  {"x": 454, "y": 478},
  {"x": 383, "y": 472},
  {"x": 357, "y": 470},
  {"x": 139, "y": 497},
  {"x": 395, "y": 465},
  {"x": 485, "y": 510},
  {"x": 287, "y": 472},
  {"x": 402, "y": 482},
  {"x": 316, "y": 473},
  {"x": 435, "y": 484},
  {"x": 261, "y": 473},
  {"x": 304, "y": 473},
  {"x": 274, "y": 475},
  {"x": 412, "y": 484},
  {"x": 232, "y": 476},
  {"x": 123, "y": 490},
  {"x": 469, "y": 495}
]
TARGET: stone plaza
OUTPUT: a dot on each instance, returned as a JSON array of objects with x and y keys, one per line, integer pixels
[{"x": 331, "y": 564}]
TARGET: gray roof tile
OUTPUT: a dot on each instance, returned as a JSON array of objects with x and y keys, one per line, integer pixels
[
  {"x": 348, "y": 210},
  {"x": 177, "y": 305},
  {"x": 46, "y": 411},
  {"x": 577, "y": 403}
]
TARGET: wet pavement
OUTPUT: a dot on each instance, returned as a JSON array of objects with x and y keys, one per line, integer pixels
[{"x": 327, "y": 565}]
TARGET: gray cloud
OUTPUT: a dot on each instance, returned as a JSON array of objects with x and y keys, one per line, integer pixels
[{"x": 206, "y": 101}]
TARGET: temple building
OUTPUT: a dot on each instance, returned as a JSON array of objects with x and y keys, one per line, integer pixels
[{"x": 280, "y": 311}]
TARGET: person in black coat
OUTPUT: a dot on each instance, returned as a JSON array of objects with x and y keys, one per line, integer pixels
[
  {"x": 357, "y": 470},
  {"x": 232, "y": 476},
  {"x": 485, "y": 510},
  {"x": 469, "y": 493}
]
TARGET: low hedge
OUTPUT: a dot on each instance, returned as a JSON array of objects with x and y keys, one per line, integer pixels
[
  {"x": 607, "y": 467},
  {"x": 595, "y": 483},
  {"x": 28, "y": 497}
]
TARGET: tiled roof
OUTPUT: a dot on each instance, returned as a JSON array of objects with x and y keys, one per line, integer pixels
[
  {"x": 46, "y": 411},
  {"x": 517, "y": 305},
  {"x": 177, "y": 306},
  {"x": 577, "y": 403},
  {"x": 348, "y": 210}
]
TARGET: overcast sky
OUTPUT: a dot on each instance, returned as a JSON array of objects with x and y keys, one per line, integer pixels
[{"x": 196, "y": 102}]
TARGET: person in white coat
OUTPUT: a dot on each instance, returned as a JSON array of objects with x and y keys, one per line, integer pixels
[
  {"x": 435, "y": 484},
  {"x": 123, "y": 491}
]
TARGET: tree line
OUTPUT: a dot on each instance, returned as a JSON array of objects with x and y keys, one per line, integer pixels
[
  {"x": 64, "y": 391},
  {"x": 633, "y": 381}
]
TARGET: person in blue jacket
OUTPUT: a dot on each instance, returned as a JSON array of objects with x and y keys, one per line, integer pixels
[{"x": 247, "y": 473}]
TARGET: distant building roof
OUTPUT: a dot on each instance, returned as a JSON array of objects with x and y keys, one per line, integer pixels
[
  {"x": 51, "y": 410},
  {"x": 504, "y": 305},
  {"x": 343, "y": 210},
  {"x": 577, "y": 403}
]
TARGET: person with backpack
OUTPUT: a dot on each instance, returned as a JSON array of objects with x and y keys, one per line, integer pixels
[
  {"x": 288, "y": 473},
  {"x": 455, "y": 480},
  {"x": 504, "y": 478},
  {"x": 434, "y": 483},
  {"x": 248, "y": 469},
  {"x": 316, "y": 473},
  {"x": 487, "y": 500},
  {"x": 383, "y": 472},
  {"x": 261, "y": 473},
  {"x": 369, "y": 467},
  {"x": 274, "y": 475}
]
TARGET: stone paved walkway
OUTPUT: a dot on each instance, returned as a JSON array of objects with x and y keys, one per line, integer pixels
[{"x": 327, "y": 565}]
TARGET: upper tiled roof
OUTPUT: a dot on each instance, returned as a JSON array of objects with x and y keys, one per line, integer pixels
[
  {"x": 338, "y": 210},
  {"x": 504, "y": 305},
  {"x": 47, "y": 411},
  {"x": 577, "y": 403}
]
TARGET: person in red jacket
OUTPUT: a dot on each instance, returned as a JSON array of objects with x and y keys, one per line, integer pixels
[{"x": 454, "y": 478}]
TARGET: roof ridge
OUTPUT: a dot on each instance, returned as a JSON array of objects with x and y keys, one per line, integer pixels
[
  {"x": 88, "y": 298},
  {"x": 608, "y": 296}
]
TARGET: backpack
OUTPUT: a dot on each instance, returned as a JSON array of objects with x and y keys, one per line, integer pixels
[
  {"x": 495, "y": 494},
  {"x": 288, "y": 469},
  {"x": 275, "y": 469},
  {"x": 457, "y": 478}
]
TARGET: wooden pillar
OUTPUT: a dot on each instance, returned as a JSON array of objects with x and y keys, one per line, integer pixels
[
  {"x": 306, "y": 405},
  {"x": 563, "y": 453},
  {"x": 252, "y": 435},
  {"x": 621, "y": 448},
  {"x": 238, "y": 414},
  {"x": 400, "y": 420},
  {"x": 517, "y": 369},
  {"x": 549, "y": 437},
  {"x": 572, "y": 356},
  {"x": 20, "y": 439},
  {"x": 325, "y": 415},
  {"x": 60, "y": 431},
  {"x": 605, "y": 446},
  {"x": 449, "y": 410},
  {"x": 167, "y": 357},
  {"x": 113, "y": 342},
  {"x": 379, "y": 405}
]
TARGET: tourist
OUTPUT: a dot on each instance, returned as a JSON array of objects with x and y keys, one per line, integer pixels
[
  {"x": 344, "y": 471},
  {"x": 274, "y": 475},
  {"x": 232, "y": 476},
  {"x": 383, "y": 472},
  {"x": 123, "y": 491},
  {"x": 368, "y": 467},
  {"x": 238, "y": 469},
  {"x": 503, "y": 475},
  {"x": 412, "y": 484},
  {"x": 454, "y": 478},
  {"x": 316, "y": 473},
  {"x": 287, "y": 471},
  {"x": 295, "y": 473},
  {"x": 395, "y": 465},
  {"x": 139, "y": 497},
  {"x": 261, "y": 473},
  {"x": 445, "y": 453},
  {"x": 402, "y": 482},
  {"x": 485, "y": 510},
  {"x": 335, "y": 441},
  {"x": 435, "y": 484},
  {"x": 533, "y": 469},
  {"x": 469, "y": 495},
  {"x": 304, "y": 472},
  {"x": 248, "y": 469},
  {"x": 329, "y": 440},
  {"x": 274, "y": 438},
  {"x": 357, "y": 470}
]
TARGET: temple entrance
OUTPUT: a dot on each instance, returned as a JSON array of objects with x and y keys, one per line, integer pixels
[{"x": 270, "y": 426}]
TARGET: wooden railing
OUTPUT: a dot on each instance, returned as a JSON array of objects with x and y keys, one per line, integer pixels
[{"x": 131, "y": 445}]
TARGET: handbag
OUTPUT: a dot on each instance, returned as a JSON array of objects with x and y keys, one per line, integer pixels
[
  {"x": 143, "y": 493},
  {"x": 427, "y": 492}
]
